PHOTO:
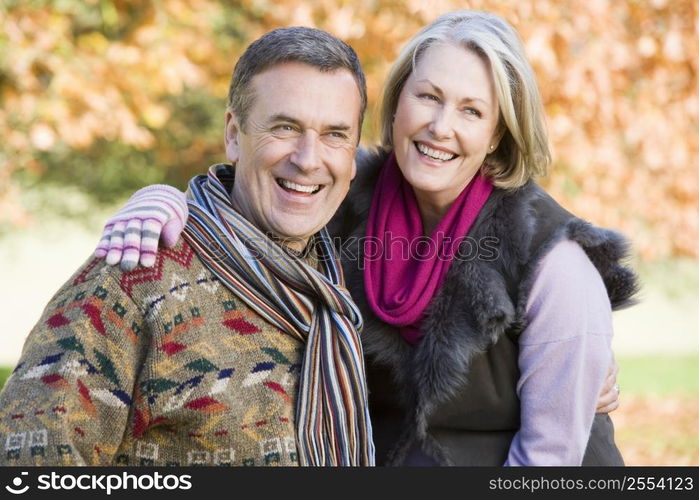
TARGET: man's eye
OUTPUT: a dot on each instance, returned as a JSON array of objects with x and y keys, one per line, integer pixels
[{"x": 284, "y": 129}]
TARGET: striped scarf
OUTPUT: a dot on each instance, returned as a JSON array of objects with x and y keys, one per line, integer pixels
[{"x": 332, "y": 412}]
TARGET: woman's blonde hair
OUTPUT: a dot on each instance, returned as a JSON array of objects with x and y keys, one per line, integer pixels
[{"x": 523, "y": 151}]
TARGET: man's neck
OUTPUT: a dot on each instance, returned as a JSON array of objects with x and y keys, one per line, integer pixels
[{"x": 296, "y": 246}]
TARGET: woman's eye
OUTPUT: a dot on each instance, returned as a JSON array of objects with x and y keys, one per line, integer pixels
[
  {"x": 473, "y": 112},
  {"x": 429, "y": 97}
]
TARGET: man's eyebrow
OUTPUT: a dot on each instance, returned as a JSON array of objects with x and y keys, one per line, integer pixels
[
  {"x": 440, "y": 92},
  {"x": 339, "y": 126},
  {"x": 281, "y": 117}
]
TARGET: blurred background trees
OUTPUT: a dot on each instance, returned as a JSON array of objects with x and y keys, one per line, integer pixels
[
  {"x": 108, "y": 95},
  {"x": 99, "y": 97}
]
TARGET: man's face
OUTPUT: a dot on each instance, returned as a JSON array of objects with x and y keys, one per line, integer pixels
[{"x": 295, "y": 159}]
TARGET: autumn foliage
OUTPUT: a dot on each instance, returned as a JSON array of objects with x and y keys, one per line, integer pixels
[{"x": 111, "y": 94}]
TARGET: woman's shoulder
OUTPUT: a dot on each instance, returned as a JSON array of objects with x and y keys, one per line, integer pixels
[
  {"x": 568, "y": 297},
  {"x": 563, "y": 238},
  {"x": 530, "y": 223},
  {"x": 567, "y": 271}
]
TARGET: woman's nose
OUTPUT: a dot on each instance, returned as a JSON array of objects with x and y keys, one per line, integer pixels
[{"x": 441, "y": 125}]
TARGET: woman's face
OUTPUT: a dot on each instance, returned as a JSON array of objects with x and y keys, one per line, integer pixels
[{"x": 445, "y": 123}]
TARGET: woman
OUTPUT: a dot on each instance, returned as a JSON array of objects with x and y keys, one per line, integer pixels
[{"x": 487, "y": 305}]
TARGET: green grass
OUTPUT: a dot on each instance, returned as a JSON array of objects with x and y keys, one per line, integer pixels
[
  {"x": 660, "y": 375},
  {"x": 4, "y": 373}
]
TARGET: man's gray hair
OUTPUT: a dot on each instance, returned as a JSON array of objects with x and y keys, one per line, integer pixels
[{"x": 311, "y": 46}]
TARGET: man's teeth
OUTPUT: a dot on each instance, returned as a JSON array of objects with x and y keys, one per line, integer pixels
[
  {"x": 298, "y": 187},
  {"x": 433, "y": 153}
]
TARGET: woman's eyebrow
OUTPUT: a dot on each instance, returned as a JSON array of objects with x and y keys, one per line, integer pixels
[{"x": 441, "y": 92}]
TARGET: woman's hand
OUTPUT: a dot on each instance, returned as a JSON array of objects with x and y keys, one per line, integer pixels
[
  {"x": 153, "y": 213},
  {"x": 609, "y": 395}
]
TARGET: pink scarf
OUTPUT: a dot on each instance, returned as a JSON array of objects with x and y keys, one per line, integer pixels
[{"x": 403, "y": 269}]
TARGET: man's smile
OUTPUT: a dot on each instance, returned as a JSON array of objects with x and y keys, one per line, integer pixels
[{"x": 296, "y": 188}]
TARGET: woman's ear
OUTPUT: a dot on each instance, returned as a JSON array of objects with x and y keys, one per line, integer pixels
[
  {"x": 232, "y": 137},
  {"x": 497, "y": 137}
]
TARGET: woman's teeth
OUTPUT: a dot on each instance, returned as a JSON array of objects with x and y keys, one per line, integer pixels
[{"x": 434, "y": 153}]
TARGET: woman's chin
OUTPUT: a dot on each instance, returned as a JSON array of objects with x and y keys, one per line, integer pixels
[{"x": 427, "y": 184}]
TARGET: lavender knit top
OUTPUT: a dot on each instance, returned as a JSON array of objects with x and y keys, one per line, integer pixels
[{"x": 564, "y": 355}]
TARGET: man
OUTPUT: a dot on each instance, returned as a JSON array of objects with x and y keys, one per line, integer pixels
[{"x": 240, "y": 346}]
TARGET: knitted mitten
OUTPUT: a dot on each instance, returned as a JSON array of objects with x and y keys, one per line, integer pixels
[{"x": 152, "y": 213}]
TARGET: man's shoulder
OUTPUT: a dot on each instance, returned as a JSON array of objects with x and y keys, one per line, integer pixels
[{"x": 179, "y": 260}]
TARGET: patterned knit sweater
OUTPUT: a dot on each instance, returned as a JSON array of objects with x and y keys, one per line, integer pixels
[{"x": 158, "y": 366}]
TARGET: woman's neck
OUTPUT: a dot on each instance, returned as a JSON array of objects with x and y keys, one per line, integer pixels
[
  {"x": 434, "y": 206},
  {"x": 431, "y": 212}
]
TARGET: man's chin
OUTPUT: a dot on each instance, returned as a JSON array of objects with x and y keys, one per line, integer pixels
[{"x": 295, "y": 237}]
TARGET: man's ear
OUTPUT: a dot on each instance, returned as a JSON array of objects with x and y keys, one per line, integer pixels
[
  {"x": 354, "y": 168},
  {"x": 232, "y": 137}
]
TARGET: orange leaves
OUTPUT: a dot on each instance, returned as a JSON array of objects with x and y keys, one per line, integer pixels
[{"x": 619, "y": 81}]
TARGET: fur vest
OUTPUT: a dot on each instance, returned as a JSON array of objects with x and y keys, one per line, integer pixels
[{"x": 453, "y": 395}]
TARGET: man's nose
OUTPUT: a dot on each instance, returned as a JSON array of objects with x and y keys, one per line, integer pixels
[
  {"x": 441, "y": 126},
  {"x": 306, "y": 154}
]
